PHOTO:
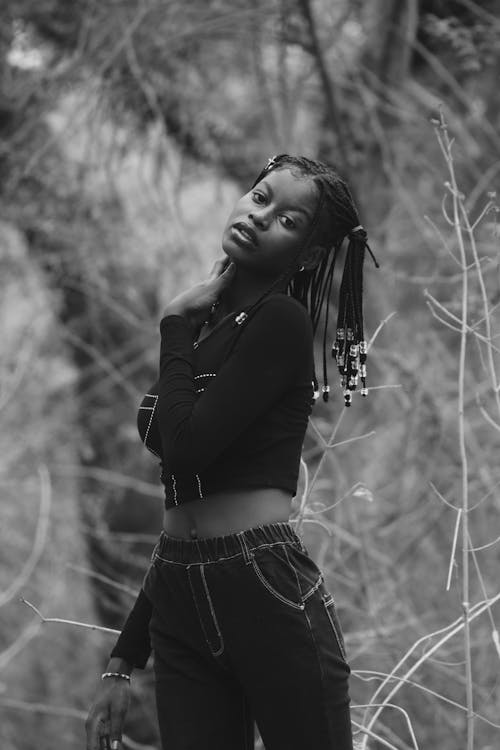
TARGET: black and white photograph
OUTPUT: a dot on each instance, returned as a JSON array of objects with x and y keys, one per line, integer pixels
[{"x": 249, "y": 375}]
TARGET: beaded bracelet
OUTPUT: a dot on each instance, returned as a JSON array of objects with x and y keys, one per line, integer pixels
[{"x": 115, "y": 674}]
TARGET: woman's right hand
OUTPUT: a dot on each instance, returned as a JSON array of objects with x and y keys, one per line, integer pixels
[
  {"x": 104, "y": 724},
  {"x": 195, "y": 303}
]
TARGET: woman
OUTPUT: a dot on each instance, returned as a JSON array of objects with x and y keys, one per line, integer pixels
[{"x": 237, "y": 614}]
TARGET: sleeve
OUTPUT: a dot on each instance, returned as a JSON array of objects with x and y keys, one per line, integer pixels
[
  {"x": 263, "y": 364},
  {"x": 133, "y": 643}
]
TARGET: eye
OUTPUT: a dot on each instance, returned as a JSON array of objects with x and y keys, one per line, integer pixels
[
  {"x": 258, "y": 197},
  {"x": 287, "y": 222}
]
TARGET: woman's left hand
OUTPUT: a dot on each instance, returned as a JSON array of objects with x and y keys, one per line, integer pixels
[{"x": 195, "y": 303}]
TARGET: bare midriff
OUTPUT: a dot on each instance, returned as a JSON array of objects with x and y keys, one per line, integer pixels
[{"x": 227, "y": 512}]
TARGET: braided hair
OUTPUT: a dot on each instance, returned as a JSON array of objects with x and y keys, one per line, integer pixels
[{"x": 335, "y": 219}]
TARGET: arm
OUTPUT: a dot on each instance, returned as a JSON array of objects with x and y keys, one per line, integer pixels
[
  {"x": 106, "y": 717},
  {"x": 263, "y": 364},
  {"x": 133, "y": 646}
]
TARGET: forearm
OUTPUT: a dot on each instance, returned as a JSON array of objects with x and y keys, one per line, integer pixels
[{"x": 133, "y": 646}]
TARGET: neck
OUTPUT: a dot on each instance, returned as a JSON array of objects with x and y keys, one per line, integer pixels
[{"x": 245, "y": 289}]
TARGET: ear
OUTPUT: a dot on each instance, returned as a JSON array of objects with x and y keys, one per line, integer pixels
[{"x": 314, "y": 256}]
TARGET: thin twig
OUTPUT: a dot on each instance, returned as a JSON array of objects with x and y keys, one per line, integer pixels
[
  {"x": 379, "y": 328},
  {"x": 104, "y": 579},
  {"x": 398, "y": 708},
  {"x": 360, "y": 672},
  {"x": 351, "y": 440},
  {"x": 449, "y": 631},
  {"x": 453, "y": 548},
  {"x": 86, "y": 625},
  {"x": 39, "y": 541}
]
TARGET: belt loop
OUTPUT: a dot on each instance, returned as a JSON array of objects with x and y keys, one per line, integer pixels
[
  {"x": 243, "y": 544},
  {"x": 198, "y": 548}
]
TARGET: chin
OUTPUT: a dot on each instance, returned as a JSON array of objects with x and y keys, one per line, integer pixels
[{"x": 232, "y": 250}]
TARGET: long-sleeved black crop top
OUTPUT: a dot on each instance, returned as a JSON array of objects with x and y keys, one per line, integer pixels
[
  {"x": 227, "y": 413},
  {"x": 232, "y": 410}
]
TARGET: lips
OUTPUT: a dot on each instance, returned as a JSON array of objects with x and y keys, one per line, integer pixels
[{"x": 246, "y": 231}]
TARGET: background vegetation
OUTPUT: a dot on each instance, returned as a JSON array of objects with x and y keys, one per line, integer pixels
[{"x": 127, "y": 129}]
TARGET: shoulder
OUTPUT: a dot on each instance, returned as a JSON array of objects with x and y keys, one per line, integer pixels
[
  {"x": 283, "y": 308},
  {"x": 283, "y": 318}
]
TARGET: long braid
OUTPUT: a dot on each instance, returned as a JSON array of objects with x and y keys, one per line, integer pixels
[{"x": 312, "y": 288}]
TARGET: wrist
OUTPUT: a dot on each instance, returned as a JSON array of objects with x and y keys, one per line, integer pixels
[{"x": 119, "y": 665}]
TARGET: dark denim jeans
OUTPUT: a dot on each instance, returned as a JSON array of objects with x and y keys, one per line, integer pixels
[{"x": 243, "y": 630}]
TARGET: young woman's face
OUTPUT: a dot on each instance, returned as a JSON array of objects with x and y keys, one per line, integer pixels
[{"x": 270, "y": 223}]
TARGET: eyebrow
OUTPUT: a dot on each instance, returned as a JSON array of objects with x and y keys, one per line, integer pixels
[{"x": 291, "y": 208}]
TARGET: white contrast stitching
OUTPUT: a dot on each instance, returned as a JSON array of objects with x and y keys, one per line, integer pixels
[
  {"x": 220, "y": 559},
  {"x": 332, "y": 616},
  {"x": 206, "y": 375},
  {"x": 150, "y": 419},
  {"x": 273, "y": 591},
  {"x": 240, "y": 536},
  {"x": 199, "y": 487},
  {"x": 314, "y": 588},
  {"x": 212, "y": 610},
  {"x": 200, "y": 619},
  {"x": 174, "y": 490}
]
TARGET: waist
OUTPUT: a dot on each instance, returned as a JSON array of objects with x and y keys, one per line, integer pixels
[
  {"x": 212, "y": 549},
  {"x": 228, "y": 512}
]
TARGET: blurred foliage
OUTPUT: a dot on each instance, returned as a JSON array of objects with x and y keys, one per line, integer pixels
[{"x": 126, "y": 131}]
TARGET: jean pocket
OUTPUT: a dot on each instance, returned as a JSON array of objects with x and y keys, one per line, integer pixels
[
  {"x": 331, "y": 611},
  {"x": 287, "y": 573}
]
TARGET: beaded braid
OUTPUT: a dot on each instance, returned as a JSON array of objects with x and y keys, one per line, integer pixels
[{"x": 313, "y": 287}]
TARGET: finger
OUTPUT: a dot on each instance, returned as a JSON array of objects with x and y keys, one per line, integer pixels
[
  {"x": 219, "y": 266},
  {"x": 93, "y": 728},
  {"x": 227, "y": 275},
  {"x": 116, "y": 726},
  {"x": 116, "y": 739}
]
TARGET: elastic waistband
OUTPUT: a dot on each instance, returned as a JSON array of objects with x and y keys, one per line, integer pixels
[{"x": 211, "y": 549}]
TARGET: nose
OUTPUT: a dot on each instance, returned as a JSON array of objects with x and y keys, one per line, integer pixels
[{"x": 259, "y": 217}]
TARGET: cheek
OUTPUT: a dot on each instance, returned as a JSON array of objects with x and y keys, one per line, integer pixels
[
  {"x": 282, "y": 252},
  {"x": 288, "y": 247},
  {"x": 237, "y": 211}
]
